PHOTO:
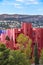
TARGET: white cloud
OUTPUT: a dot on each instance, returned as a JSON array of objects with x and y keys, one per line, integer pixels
[
  {"x": 17, "y": 5},
  {"x": 6, "y": 2},
  {"x": 28, "y": 1},
  {"x": 20, "y": 0},
  {"x": 31, "y": 2},
  {"x": 14, "y": 4},
  {"x": 34, "y": 1}
]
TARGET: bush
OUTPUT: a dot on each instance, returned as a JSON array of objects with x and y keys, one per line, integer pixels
[
  {"x": 18, "y": 58},
  {"x": 12, "y": 57},
  {"x": 2, "y": 47},
  {"x": 41, "y": 57},
  {"x": 4, "y": 54}
]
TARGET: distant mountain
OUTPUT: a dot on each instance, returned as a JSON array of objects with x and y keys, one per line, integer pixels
[
  {"x": 27, "y": 18},
  {"x": 36, "y": 20}
]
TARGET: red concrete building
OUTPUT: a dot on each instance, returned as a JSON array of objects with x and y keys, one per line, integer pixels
[
  {"x": 27, "y": 29},
  {"x": 36, "y": 34}
]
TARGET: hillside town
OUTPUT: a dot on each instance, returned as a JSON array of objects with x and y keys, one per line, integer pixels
[{"x": 14, "y": 21}]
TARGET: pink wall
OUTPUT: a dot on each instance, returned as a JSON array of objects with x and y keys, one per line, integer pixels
[
  {"x": 27, "y": 29},
  {"x": 3, "y": 36},
  {"x": 36, "y": 34}
]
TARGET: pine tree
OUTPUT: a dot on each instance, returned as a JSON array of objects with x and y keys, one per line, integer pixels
[
  {"x": 41, "y": 57},
  {"x": 36, "y": 57}
]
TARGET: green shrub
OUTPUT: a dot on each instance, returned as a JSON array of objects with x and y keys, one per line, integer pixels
[
  {"x": 18, "y": 58},
  {"x": 4, "y": 54},
  {"x": 12, "y": 57},
  {"x": 2, "y": 47},
  {"x": 41, "y": 57}
]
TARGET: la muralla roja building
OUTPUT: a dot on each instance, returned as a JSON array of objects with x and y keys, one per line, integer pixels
[{"x": 36, "y": 34}]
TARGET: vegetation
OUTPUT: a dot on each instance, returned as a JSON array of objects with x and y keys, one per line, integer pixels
[
  {"x": 21, "y": 40},
  {"x": 18, "y": 58},
  {"x": 41, "y": 57},
  {"x": 36, "y": 57},
  {"x": 25, "y": 45},
  {"x": 9, "y": 57},
  {"x": 28, "y": 49},
  {"x": 4, "y": 54},
  {"x": 7, "y": 38}
]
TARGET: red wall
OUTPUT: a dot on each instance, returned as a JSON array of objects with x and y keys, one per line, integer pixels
[
  {"x": 27, "y": 29},
  {"x": 36, "y": 34}
]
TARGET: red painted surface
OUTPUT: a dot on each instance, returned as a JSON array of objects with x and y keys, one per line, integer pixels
[{"x": 36, "y": 34}]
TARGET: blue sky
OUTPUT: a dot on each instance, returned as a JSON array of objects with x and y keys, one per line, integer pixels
[{"x": 30, "y": 7}]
